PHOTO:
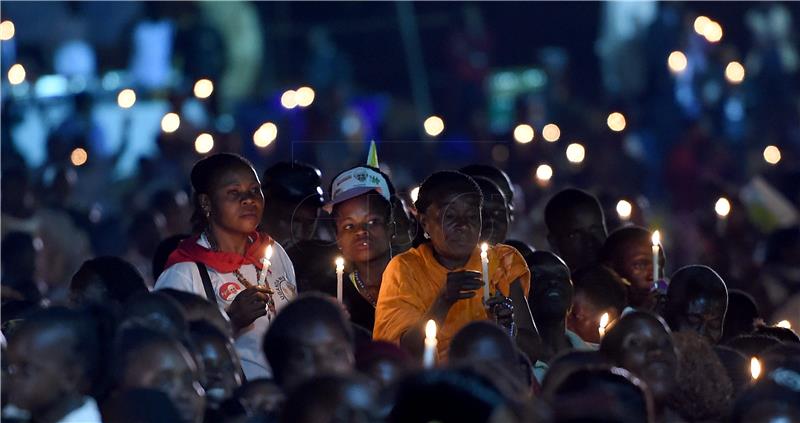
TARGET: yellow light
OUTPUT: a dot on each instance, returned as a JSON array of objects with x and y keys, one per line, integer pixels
[
  {"x": 434, "y": 125},
  {"x": 16, "y": 74},
  {"x": 203, "y": 88},
  {"x": 523, "y": 134},
  {"x": 204, "y": 143},
  {"x": 544, "y": 172},
  {"x": 126, "y": 98},
  {"x": 616, "y": 121},
  {"x": 734, "y": 73},
  {"x": 722, "y": 207},
  {"x": 170, "y": 122},
  {"x": 576, "y": 153},
  {"x": 677, "y": 62},
  {"x": 7, "y": 30},
  {"x": 289, "y": 99},
  {"x": 265, "y": 135},
  {"x": 430, "y": 329},
  {"x": 603, "y": 323},
  {"x": 755, "y": 368},
  {"x": 713, "y": 32},
  {"x": 484, "y": 248},
  {"x": 624, "y": 209},
  {"x": 700, "y": 24},
  {"x": 268, "y": 252},
  {"x": 304, "y": 96},
  {"x": 78, "y": 157},
  {"x": 339, "y": 264},
  {"x": 772, "y": 154},
  {"x": 784, "y": 324},
  {"x": 551, "y": 132},
  {"x": 414, "y": 194},
  {"x": 656, "y": 238}
]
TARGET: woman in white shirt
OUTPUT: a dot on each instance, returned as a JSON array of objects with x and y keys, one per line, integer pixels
[{"x": 224, "y": 259}]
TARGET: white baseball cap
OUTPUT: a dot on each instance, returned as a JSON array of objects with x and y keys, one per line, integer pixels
[{"x": 357, "y": 181}]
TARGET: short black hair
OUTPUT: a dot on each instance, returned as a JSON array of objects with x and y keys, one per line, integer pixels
[
  {"x": 612, "y": 343},
  {"x": 569, "y": 199},
  {"x": 611, "y": 254},
  {"x": 741, "y": 316},
  {"x": 205, "y": 174},
  {"x": 631, "y": 399},
  {"x": 163, "y": 250},
  {"x": 126, "y": 407},
  {"x": 120, "y": 278},
  {"x": 157, "y": 311},
  {"x": 131, "y": 342},
  {"x": 602, "y": 286},
  {"x": 752, "y": 345},
  {"x": 305, "y": 310},
  {"x": 442, "y": 184},
  {"x": 196, "y": 307},
  {"x": 702, "y": 279},
  {"x": 473, "y": 332},
  {"x": 495, "y": 175},
  {"x": 785, "y": 335},
  {"x": 489, "y": 189}
]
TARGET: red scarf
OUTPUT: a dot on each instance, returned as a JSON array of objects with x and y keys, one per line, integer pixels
[{"x": 190, "y": 251}]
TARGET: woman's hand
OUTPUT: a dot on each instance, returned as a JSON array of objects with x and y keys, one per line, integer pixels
[
  {"x": 460, "y": 286},
  {"x": 248, "y": 306},
  {"x": 502, "y": 309}
]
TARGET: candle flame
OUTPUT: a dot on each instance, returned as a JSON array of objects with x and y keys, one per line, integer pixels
[
  {"x": 339, "y": 263},
  {"x": 603, "y": 324},
  {"x": 755, "y": 368},
  {"x": 484, "y": 247},
  {"x": 784, "y": 324},
  {"x": 430, "y": 329},
  {"x": 268, "y": 252},
  {"x": 656, "y": 238}
]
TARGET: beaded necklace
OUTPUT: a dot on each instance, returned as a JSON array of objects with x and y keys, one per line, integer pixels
[{"x": 361, "y": 287}]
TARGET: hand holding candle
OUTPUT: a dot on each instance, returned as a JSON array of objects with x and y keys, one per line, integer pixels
[
  {"x": 656, "y": 255},
  {"x": 485, "y": 270},
  {"x": 339, "y": 277},
  {"x": 429, "y": 357},
  {"x": 265, "y": 264}
]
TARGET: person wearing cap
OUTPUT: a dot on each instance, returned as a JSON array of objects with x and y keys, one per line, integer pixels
[
  {"x": 361, "y": 208},
  {"x": 292, "y": 201}
]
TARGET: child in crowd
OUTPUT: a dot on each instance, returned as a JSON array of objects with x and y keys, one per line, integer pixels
[{"x": 598, "y": 290}]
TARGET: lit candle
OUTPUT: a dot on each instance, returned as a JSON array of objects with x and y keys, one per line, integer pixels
[
  {"x": 339, "y": 277},
  {"x": 722, "y": 207},
  {"x": 603, "y": 323},
  {"x": 784, "y": 324},
  {"x": 429, "y": 358},
  {"x": 656, "y": 253},
  {"x": 755, "y": 368},
  {"x": 485, "y": 270},
  {"x": 265, "y": 264}
]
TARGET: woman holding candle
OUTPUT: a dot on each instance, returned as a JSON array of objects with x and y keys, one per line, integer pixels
[
  {"x": 225, "y": 259},
  {"x": 440, "y": 279}
]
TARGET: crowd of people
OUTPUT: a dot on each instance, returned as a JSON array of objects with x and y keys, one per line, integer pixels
[{"x": 432, "y": 314}]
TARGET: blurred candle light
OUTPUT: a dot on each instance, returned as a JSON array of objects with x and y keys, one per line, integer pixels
[
  {"x": 551, "y": 132},
  {"x": 624, "y": 209},
  {"x": 305, "y": 96},
  {"x": 434, "y": 125},
  {"x": 7, "y": 30},
  {"x": 523, "y": 134},
  {"x": 616, "y": 121},
  {"x": 170, "y": 122},
  {"x": 784, "y": 324},
  {"x": 713, "y": 32},
  {"x": 204, "y": 143},
  {"x": 603, "y": 323},
  {"x": 734, "y": 73},
  {"x": 78, "y": 157},
  {"x": 339, "y": 277},
  {"x": 203, "y": 88},
  {"x": 265, "y": 135},
  {"x": 700, "y": 24},
  {"x": 429, "y": 357},
  {"x": 772, "y": 154},
  {"x": 677, "y": 62},
  {"x": 16, "y": 74},
  {"x": 722, "y": 207},
  {"x": 656, "y": 240},
  {"x": 755, "y": 368},
  {"x": 289, "y": 99},
  {"x": 576, "y": 153},
  {"x": 485, "y": 270},
  {"x": 126, "y": 98},
  {"x": 544, "y": 172},
  {"x": 414, "y": 194}
]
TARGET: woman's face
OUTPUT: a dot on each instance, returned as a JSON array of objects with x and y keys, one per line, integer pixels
[
  {"x": 236, "y": 202},
  {"x": 649, "y": 353},
  {"x": 454, "y": 225},
  {"x": 221, "y": 368},
  {"x": 362, "y": 231},
  {"x": 169, "y": 369}
]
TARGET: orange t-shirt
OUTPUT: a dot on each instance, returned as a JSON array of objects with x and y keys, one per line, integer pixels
[{"x": 413, "y": 279}]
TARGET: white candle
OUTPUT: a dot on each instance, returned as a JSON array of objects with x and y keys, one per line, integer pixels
[
  {"x": 603, "y": 323},
  {"x": 265, "y": 264},
  {"x": 755, "y": 368},
  {"x": 429, "y": 357},
  {"x": 656, "y": 253},
  {"x": 485, "y": 270},
  {"x": 339, "y": 277}
]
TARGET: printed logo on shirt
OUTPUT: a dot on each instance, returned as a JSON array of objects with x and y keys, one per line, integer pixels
[
  {"x": 286, "y": 290},
  {"x": 229, "y": 290}
]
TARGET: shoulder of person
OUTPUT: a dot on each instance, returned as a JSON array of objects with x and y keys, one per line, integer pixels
[{"x": 179, "y": 276}]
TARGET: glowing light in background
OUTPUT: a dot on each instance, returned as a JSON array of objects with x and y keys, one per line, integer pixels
[
  {"x": 624, "y": 209},
  {"x": 544, "y": 172},
  {"x": 305, "y": 96},
  {"x": 7, "y": 30},
  {"x": 203, "y": 88},
  {"x": 265, "y": 135},
  {"x": 713, "y": 32},
  {"x": 434, "y": 125},
  {"x": 772, "y": 154},
  {"x": 677, "y": 62},
  {"x": 700, "y": 24},
  {"x": 523, "y": 134},
  {"x": 576, "y": 153},
  {"x": 170, "y": 122},
  {"x": 616, "y": 121},
  {"x": 204, "y": 143},
  {"x": 755, "y": 368},
  {"x": 289, "y": 99},
  {"x": 126, "y": 98},
  {"x": 734, "y": 73},
  {"x": 551, "y": 132},
  {"x": 722, "y": 207},
  {"x": 16, "y": 74},
  {"x": 78, "y": 157}
]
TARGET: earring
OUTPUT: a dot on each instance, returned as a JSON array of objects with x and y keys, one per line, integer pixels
[{"x": 426, "y": 235}]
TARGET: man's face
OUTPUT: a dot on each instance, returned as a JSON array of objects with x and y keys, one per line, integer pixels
[
  {"x": 578, "y": 236},
  {"x": 551, "y": 290},
  {"x": 318, "y": 350},
  {"x": 703, "y": 315}
]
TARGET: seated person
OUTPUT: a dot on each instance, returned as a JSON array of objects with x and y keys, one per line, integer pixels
[
  {"x": 598, "y": 290},
  {"x": 697, "y": 300}
]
